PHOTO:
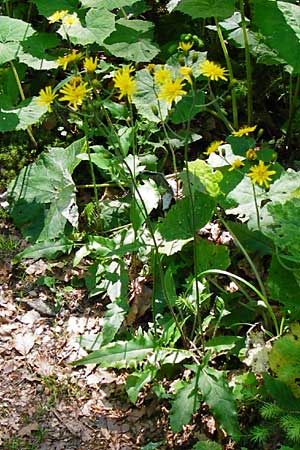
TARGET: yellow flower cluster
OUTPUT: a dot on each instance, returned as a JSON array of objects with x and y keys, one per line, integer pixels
[
  {"x": 124, "y": 82},
  {"x": 73, "y": 92},
  {"x": 260, "y": 174},
  {"x": 213, "y": 71}
]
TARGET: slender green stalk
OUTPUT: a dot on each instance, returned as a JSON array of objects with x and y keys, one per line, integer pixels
[
  {"x": 230, "y": 73},
  {"x": 98, "y": 185},
  {"x": 248, "y": 65},
  {"x": 256, "y": 207},
  {"x": 250, "y": 286},
  {"x": 219, "y": 113},
  {"x": 22, "y": 95},
  {"x": 93, "y": 177},
  {"x": 293, "y": 98}
]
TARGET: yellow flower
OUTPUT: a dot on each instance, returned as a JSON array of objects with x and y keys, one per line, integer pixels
[
  {"x": 162, "y": 75},
  {"x": 46, "y": 97},
  {"x": 74, "y": 92},
  {"x": 65, "y": 60},
  {"x": 185, "y": 46},
  {"x": 244, "y": 131},
  {"x": 236, "y": 165},
  {"x": 89, "y": 64},
  {"x": 212, "y": 70},
  {"x": 186, "y": 73},
  {"x": 125, "y": 82},
  {"x": 213, "y": 147},
  {"x": 170, "y": 90},
  {"x": 260, "y": 174},
  {"x": 57, "y": 16},
  {"x": 251, "y": 154},
  {"x": 70, "y": 19}
]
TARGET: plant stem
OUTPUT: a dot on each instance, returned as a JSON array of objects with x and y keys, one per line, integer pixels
[
  {"x": 93, "y": 177},
  {"x": 293, "y": 98},
  {"x": 248, "y": 65},
  {"x": 22, "y": 95},
  {"x": 256, "y": 207},
  {"x": 230, "y": 73}
]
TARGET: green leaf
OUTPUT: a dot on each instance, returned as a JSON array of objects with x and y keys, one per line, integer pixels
[
  {"x": 27, "y": 113},
  {"x": 279, "y": 22},
  {"x": 185, "y": 404},
  {"x": 203, "y": 8},
  {"x": 223, "y": 344},
  {"x": 283, "y": 284},
  {"x": 145, "y": 98},
  {"x": 33, "y": 51},
  {"x": 47, "y": 8},
  {"x": 178, "y": 224},
  {"x": 152, "y": 445},
  {"x": 187, "y": 108},
  {"x": 284, "y": 359},
  {"x": 148, "y": 197},
  {"x": 108, "y": 4},
  {"x": 12, "y": 32},
  {"x": 132, "y": 41},
  {"x": 113, "y": 319},
  {"x": 218, "y": 396},
  {"x": 207, "y": 445},
  {"x": 284, "y": 229},
  {"x": 252, "y": 240},
  {"x": 202, "y": 178},
  {"x": 48, "y": 181},
  {"x": 121, "y": 354},
  {"x": 211, "y": 256},
  {"x": 49, "y": 249},
  {"x": 137, "y": 380},
  {"x": 101, "y": 23},
  {"x": 77, "y": 34}
]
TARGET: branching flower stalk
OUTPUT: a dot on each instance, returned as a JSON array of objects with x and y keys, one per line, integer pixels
[
  {"x": 230, "y": 73},
  {"x": 248, "y": 65}
]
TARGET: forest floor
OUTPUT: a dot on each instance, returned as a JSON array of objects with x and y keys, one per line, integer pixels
[{"x": 45, "y": 402}]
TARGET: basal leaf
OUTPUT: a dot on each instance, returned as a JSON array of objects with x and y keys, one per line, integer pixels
[
  {"x": 219, "y": 398},
  {"x": 284, "y": 359},
  {"x": 27, "y": 113},
  {"x": 207, "y": 445},
  {"x": 279, "y": 22},
  {"x": 178, "y": 223},
  {"x": 145, "y": 98},
  {"x": 47, "y": 8},
  {"x": 211, "y": 256},
  {"x": 137, "y": 380},
  {"x": 284, "y": 284},
  {"x": 47, "y": 182},
  {"x": 120, "y": 354},
  {"x": 100, "y": 22},
  {"x": 132, "y": 41},
  {"x": 284, "y": 229},
  {"x": 202, "y": 178},
  {"x": 47, "y": 249},
  {"x": 108, "y": 4},
  {"x": 203, "y": 8},
  {"x": 185, "y": 404},
  {"x": 33, "y": 51},
  {"x": 12, "y": 32}
]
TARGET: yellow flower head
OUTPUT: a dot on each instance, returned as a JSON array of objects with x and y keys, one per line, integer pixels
[
  {"x": 213, "y": 147},
  {"x": 162, "y": 75},
  {"x": 236, "y": 165},
  {"x": 185, "y": 46},
  {"x": 90, "y": 64},
  {"x": 251, "y": 154},
  {"x": 244, "y": 131},
  {"x": 65, "y": 60},
  {"x": 57, "y": 16},
  {"x": 260, "y": 174},
  {"x": 74, "y": 92},
  {"x": 46, "y": 97},
  {"x": 70, "y": 19},
  {"x": 213, "y": 71},
  {"x": 170, "y": 90},
  {"x": 186, "y": 73},
  {"x": 125, "y": 82}
]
